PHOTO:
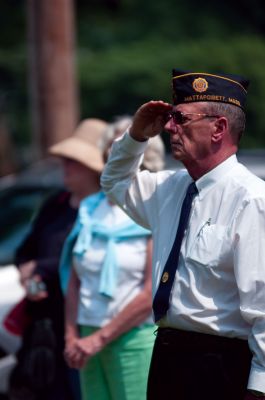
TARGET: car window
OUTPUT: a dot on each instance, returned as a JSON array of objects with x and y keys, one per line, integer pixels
[{"x": 18, "y": 206}]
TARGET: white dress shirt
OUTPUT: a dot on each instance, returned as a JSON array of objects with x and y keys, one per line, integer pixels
[
  {"x": 95, "y": 309},
  {"x": 219, "y": 285}
]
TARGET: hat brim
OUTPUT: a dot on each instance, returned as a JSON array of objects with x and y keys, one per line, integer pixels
[{"x": 79, "y": 150}]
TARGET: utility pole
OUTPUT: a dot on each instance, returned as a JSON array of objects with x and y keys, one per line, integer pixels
[{"x": 52, "y": 78}]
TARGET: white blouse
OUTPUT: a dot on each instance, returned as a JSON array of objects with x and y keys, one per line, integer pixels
[{"x": 94, "y": 308}]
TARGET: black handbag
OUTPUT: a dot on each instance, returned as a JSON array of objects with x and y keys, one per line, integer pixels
[{"x": 40, "y": 363}]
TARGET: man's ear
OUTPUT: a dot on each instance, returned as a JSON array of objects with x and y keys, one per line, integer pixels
[{"x": 219, "y": 129}]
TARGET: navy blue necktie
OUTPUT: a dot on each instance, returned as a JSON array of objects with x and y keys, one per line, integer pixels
[{"x": 161, "y": 299}]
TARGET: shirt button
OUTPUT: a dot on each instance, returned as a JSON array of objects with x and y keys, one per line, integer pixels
[{"x": 165, "y": 277}]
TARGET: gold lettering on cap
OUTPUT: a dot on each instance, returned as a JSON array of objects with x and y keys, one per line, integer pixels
[
  {"x": 209, "y": 97},
  {"x": 234, "y": 101},
  {"x": 200, "y": 85}
]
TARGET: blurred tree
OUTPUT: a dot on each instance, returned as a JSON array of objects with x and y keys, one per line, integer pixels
[{"x": 52, "y": 71}]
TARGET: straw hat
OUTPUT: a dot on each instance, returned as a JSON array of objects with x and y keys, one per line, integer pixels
[{"x": 83, "y": 145}]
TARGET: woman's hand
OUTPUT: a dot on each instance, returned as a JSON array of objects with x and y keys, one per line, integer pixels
[
  {"x": 26, "y": 271},
  {"x": 78, "y": 351},
  {"x": 36, "y": 289},
  {"x": 71, "y": 354}
]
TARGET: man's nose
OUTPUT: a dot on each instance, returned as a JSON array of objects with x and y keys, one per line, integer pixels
[
  {"x": 167, "y": 127},
  {"x": 170, "y": 127}
]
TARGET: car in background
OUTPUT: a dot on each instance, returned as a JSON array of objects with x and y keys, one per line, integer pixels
[
  {"x": 21, "y": 195},
  {"x": 254, "y": 160}
]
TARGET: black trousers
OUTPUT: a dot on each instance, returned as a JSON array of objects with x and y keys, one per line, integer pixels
[{"x": 188, "y": 366}]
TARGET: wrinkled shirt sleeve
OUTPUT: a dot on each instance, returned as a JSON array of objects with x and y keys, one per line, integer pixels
[
  {"x": 123, "y": 182},
  {"x": 249, "y": 265}
]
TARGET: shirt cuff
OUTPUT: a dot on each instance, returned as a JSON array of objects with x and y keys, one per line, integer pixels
[{"x": 257, "y": 380}]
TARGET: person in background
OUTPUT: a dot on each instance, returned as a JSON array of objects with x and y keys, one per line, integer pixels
[
  {"x": 109, "y": 294},
  {"x": 208, "y": 226},
  {"x": 154, "y": 157},
  {"x": 41, "y": 372}
]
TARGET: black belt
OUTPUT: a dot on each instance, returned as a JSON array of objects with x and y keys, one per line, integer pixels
[{"x": 192, "y": 341}]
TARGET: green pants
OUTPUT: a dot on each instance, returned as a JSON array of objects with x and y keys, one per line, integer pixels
[{"x": 120, "y": 370}]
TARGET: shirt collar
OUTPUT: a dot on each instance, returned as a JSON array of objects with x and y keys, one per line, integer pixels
[{"x": 207, "y": 181}]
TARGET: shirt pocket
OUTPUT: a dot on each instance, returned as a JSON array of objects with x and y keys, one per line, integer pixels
[{"x": 207, "y": 246}]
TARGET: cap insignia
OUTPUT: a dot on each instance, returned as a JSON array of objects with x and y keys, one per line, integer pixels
[{"x": 200, "y": 85}]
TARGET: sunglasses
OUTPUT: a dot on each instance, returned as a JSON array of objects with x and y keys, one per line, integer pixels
[{"x": 180, "y": 118}]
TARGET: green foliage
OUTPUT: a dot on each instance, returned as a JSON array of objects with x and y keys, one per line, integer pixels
[
  {"x": 13, "y": 71},
  {"x": 118, "y": 80},
  {"x": 12, "y": 22},
  {"x": 13, "y": 93},
  {"x": 125, "y": 57},
  {"x": 127, "y": 48}
]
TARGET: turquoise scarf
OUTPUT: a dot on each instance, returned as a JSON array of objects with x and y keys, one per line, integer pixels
[{"x": 79, "y": 241}]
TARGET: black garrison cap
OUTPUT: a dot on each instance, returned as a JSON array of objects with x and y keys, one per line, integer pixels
[{"x": 189, "y": 87}]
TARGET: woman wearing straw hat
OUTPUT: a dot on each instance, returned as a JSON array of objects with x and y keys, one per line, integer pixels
[
  {"x": 42, "y": 372},
  {"x": 109, "y": 293}
]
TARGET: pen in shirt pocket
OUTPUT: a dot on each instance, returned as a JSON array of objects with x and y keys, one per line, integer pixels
[{"x": 207, "y": 223}]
